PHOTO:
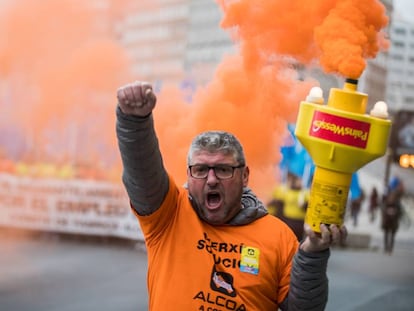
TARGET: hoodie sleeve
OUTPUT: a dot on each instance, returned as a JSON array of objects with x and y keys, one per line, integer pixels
[
  {"x": 308, "y": 282},
  {"x": 144, "y": 175}
]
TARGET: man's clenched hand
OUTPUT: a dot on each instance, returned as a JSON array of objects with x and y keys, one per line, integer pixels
[{"x": 136, "y": 99}]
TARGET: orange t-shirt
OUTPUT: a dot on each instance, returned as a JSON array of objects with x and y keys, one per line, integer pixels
[{"x": 195, "y": 266}]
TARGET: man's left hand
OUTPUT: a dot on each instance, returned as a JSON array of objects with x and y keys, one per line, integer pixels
[{"x": 317, "y": 242}]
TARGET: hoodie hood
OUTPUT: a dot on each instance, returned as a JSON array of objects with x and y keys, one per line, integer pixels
[{"x": 252, "y": 209}]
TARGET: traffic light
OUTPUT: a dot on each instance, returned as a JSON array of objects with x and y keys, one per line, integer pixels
[{"x": 406, "y": 160}]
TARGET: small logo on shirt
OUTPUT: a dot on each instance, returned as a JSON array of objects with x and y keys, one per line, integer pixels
[{"x": 250, "y": 260}]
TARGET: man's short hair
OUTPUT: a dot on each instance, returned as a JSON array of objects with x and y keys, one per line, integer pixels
[{"x": 217, "y": 141}]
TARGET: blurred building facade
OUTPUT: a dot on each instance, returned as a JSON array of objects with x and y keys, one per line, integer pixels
[
  {"x": 207, "y": 43},
  {"x": 400, "y": 78},
  {"x": 374, "y": 78},
  {"x": 174, "y": 39}
]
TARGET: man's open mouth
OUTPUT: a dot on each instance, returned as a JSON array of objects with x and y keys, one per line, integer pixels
[{"x": 213, "y": 200}]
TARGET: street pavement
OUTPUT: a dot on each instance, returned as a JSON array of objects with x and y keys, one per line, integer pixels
[
  {"x": 42, "y": 272},
  {"x": 368, "y": 280}
]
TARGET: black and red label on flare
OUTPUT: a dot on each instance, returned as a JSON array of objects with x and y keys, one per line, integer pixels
[{"x": 339, "y": 129}]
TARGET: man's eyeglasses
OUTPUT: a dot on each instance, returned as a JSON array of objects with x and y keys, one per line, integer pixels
[{"x": 201, "y": 171}]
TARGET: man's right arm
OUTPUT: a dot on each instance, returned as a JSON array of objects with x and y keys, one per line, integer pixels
[{"x": 144, "y": 175}]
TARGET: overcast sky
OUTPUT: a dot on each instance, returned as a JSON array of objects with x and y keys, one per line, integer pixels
[{"x": 404, "y": 9}]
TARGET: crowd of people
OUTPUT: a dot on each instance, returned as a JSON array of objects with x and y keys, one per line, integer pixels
[
  {"x": 44, "y": 167},
  {"x": 289, "y": 202}
]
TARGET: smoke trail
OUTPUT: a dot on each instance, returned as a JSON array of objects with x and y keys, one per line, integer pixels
[
  {"x": 350, "y": 34},
  {"x": 338, "y": 34}
]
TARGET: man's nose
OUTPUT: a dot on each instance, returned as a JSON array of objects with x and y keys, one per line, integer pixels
[{"x": 211, "y": 176}]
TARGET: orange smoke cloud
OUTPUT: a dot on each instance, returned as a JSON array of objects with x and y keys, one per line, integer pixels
[
  {"x": 350, "y": 34},
  {"x": 339, "y": 34},
  {"x": 254, "y": 105},
  {"x": 268, "y": 28},
  {"x": 59, "y": 69}
]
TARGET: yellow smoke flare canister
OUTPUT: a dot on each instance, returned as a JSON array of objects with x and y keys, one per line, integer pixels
[{"x": 340, "y": 138}]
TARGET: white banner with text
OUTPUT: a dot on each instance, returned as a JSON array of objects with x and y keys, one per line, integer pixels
[{"x": 67, "y": 206}]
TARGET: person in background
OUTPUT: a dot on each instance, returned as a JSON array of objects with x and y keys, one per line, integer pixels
[
  {"x": 373, "y": 204},
  {"x": 290, "y": 200},
  {"x": 211, "y": 244},
  {"x": 355, "y": 206},
  {"x": 391, "y": 213}
]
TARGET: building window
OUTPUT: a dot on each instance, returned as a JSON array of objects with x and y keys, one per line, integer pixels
[
  {"x": 400, "y": 31},
  {"x": 409, "y": 100},
  {"x": 399, "y": 44},
  {"x": 397, "y": 57}
]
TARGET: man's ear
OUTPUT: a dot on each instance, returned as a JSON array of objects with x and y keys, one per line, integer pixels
[{"x": 246, "y": 173}]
